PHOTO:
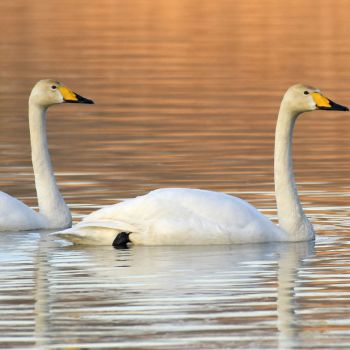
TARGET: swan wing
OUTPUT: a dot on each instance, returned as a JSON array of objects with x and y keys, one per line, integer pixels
[{"x": 176, "y": 216}]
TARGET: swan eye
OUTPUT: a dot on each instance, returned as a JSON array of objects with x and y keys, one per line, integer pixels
[
  {"x": 306, "y": 92},
  {"x": 53, "y": 87}
]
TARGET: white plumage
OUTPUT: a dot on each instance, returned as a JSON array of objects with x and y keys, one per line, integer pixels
[
  {"x": 53, "y": 212},
  {"x": 16, "y": 216},
  {"x": 176, "y": 216},
  {"x": 190, "y": 216}
]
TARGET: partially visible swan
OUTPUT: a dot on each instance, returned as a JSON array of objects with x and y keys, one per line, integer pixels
[
  {"x": 190, "y": 216},
  {"x": 53, "y": 211}
]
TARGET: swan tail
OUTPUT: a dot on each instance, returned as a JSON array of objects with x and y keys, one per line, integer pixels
[{"x": 98, "y": 233}]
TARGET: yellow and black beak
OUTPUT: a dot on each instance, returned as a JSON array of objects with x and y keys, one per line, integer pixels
[
  {"x": 71, "y": 97},
  {"x": 326, "y": 104}
]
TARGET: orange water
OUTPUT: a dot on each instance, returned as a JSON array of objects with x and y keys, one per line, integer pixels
[{"x": 186, "y": 93}]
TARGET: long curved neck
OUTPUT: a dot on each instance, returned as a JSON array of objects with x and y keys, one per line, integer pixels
[
  {"x": 291, "y": 216},
  {"x": 51, "y": 204}
]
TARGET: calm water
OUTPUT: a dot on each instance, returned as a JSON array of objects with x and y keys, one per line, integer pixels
[{"x": 186, "y": 93}]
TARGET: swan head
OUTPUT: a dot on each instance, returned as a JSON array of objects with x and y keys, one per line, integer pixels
[
  {"x": 49, "y": 92},
  {"x": 302, "y": 98}
]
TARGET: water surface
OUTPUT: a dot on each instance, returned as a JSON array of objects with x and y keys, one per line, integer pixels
[{"x": 186, "y": 94}]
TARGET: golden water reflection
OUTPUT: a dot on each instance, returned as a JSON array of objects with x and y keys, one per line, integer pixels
[{"x": 187, "y": 93}]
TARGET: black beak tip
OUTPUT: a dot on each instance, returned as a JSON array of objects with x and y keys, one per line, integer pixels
[
  {"x": 341, "y": 108},
  {"x": 82, "y": 99},
  {"x": 337, "y": 107}
]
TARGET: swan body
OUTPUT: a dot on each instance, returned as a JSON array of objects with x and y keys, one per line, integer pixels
[
  {"x": 53, "y": 212},
  {"x": 190, "y": 216},
  {"x": 177, "y": 216},
  {"x": 16, "y": 216}
]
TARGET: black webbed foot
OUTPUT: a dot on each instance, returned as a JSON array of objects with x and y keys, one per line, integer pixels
[{"x": 122, "y": 240}]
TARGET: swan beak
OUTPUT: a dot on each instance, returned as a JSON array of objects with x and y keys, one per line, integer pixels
[
  {"x": 71, "y": 97},
  {"x": 326, "y": 104}
]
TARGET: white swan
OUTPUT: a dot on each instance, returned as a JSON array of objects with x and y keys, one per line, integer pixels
[
  {"x": 190, "y": 216},
  {"x": 53, "y": 211}
]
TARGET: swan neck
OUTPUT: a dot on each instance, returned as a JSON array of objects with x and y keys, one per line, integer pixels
[
  {"x": 51, "y": 204},
  {"x": 291, "y": 216}
]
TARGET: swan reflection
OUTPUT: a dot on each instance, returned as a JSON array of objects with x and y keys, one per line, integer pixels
[{"x": 170, "y": 296}]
